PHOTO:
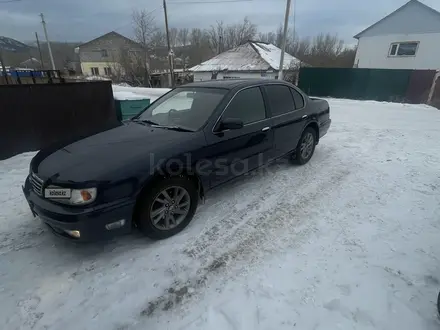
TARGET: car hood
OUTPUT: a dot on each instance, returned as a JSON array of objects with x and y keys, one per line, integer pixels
[{"x": 127, "y": 147}]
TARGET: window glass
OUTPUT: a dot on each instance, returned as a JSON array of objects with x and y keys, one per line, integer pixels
[
  {"x": 393, "y": 50},
  {"x": 407, "y": 49},
  {"x": 247, "y": 105},
  {"x": 299, "y": 100},
  {"x": 185, "y": 107},
  {"x": 280, "y": 99}
]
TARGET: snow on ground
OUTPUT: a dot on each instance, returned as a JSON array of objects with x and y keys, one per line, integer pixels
[
  {"x": 136, "y": 93},
  {"x": 348, "y": 241}
]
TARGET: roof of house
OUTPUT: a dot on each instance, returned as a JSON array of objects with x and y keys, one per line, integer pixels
[
  {"x": 31, "y": 60},
  {"x": 251, "y": 56},
  {"x": 110, "y": 34},
  {"x": 397, "y": 11}
]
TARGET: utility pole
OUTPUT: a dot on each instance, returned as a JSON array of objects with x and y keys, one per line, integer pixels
[
  {"x": 48, "y": 42},
  {"x": 170, "y": 51},
  {"x": 220, "y": 44},
  {"x": 283, "y": 45},
  {"x": 39, "y": 51}
]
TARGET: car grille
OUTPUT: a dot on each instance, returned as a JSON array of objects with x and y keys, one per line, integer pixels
[{"x": 37, "y": 184}]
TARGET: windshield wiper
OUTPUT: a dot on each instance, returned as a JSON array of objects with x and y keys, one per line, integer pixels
[
  {"x": 174, "y": 128},
  {"x": 145, "y": 121}
]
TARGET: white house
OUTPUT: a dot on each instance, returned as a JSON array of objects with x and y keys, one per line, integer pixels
[
  {"x": 250, "y": 60},
  {"x": 408, "y": 38}
]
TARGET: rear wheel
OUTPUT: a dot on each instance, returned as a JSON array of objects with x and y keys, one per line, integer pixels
[
  {"x": 306, "y": 146},
  {"x": 168, "y": 207}
]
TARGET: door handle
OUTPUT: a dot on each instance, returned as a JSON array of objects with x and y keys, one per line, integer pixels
[
  {"x": 265, "y": 129},
  {"x": 304, "y": 117}
]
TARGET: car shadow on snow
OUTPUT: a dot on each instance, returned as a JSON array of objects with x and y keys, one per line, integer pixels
[{"x": 135, "y": 240}]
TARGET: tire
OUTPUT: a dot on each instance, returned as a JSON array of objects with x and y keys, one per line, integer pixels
[
  {"x": 153, "y": 201},
  {"x": 301, "y": 158}
]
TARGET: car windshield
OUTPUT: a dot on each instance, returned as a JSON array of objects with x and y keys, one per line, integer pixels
[{"x": 187, "y": 108}]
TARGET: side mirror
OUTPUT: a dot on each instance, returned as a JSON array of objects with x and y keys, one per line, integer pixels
[{"x": 230, "y": 123}]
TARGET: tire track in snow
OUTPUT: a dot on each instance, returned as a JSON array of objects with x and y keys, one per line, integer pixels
[{"x": 266, "y": 229}]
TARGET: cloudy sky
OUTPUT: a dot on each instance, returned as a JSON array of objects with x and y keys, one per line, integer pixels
[{"x": 82, "y": 20}]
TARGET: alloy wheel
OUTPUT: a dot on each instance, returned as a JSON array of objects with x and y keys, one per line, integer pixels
[{"x": 170, "y": 207}]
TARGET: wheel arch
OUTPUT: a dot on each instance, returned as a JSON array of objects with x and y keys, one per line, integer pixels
[
  {"x": 315, "y": 126},
  {"x": 162, "y": 174}
]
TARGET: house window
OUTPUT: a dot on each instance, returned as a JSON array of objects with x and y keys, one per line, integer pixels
[
  {"x": 95, "y": 71},
  {"x": 108, "y": 71},
  {"x": 404, "y": 48},
  {"x": 104, "y": 53}
]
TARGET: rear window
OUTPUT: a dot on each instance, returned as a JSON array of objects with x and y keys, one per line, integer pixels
[
  {"x": 299, "y": 100},
  {"x": 280, "y": 99}
]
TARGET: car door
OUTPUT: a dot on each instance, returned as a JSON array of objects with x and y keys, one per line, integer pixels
[
  {"x": 235, "y": 152},
  {"x": 288, "y": 120}
]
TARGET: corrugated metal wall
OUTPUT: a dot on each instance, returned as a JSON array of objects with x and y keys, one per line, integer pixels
[
  {"x": 367, "y": 84},
  {"x": 35, "y": 116}
]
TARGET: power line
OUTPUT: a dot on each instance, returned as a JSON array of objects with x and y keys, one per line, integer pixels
[{"x": 8, "y": 1}]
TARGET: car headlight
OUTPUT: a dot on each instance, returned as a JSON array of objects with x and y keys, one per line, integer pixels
[{"x": 78, "y": 197}]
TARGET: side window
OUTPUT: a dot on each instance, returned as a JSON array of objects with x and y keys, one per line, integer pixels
[
  {"x": 299, "y": 100},
  {"x": 247, "y": 105},
  {"x": 280, "y": 99}
]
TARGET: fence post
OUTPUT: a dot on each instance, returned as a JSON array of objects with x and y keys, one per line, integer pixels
[
  {"x": 49, "y": 74},
  {"x": 33, "y": 77},
  {"x": 432, "y": 90}
]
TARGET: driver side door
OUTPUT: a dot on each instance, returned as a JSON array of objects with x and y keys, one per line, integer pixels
[{"x": 235, "y": 152}]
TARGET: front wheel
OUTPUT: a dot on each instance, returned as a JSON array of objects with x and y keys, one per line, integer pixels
[
  {"x": 306, "y": 146},
  {"x": 167, "y": 208}
]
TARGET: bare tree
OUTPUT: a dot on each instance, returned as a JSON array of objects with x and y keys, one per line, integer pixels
[
  {"x": 173, "y": 37},
  {"x": 245, "y": 31},
  {"x": 144, "y": 28},
  {"x": 183, "y": 36},
  {"x": 222, "y": 38},
  {"x": 200, "y": 46},
  {"x": 158, "y": 39},
  {"x": 269, "y": 37},
  {"x": 217, "y": 37}
]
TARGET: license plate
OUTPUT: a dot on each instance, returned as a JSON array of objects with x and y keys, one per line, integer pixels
[{"x": 56, "y": 193}]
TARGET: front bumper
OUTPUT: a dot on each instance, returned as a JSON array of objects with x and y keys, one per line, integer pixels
[{"x": 90, "y": 221}]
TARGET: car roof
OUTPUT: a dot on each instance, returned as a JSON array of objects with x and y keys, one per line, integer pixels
[{"x": 233, "y": 83}]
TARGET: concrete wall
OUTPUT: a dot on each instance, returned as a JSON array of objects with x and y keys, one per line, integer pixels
[
  {"x": 86, "y": 67},
  {"x": 373, "y": 52},
  {"x": 91, "y": 54},
  {"x": 202, "y": 76},
  {"x": 411, "y": 18}
]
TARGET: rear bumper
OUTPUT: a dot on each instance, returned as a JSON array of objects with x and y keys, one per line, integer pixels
[
  {"x": 324, "y": 127},
  {"x": 91, "y": 222}
]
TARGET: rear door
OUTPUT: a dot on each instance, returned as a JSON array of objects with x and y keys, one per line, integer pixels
[
  {"x": 288, "y": 119},
  {"x": 235, "y": 152}
]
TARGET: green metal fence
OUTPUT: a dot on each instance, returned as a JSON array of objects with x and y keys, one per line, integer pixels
[
  {"x": 359, "y": 84},
  {"x": 126, "y": 109}
]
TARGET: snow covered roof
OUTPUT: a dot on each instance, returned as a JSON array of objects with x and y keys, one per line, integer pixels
[
  {"x": 31, "y": 60},
  {"x": 251, "y": 56}
]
